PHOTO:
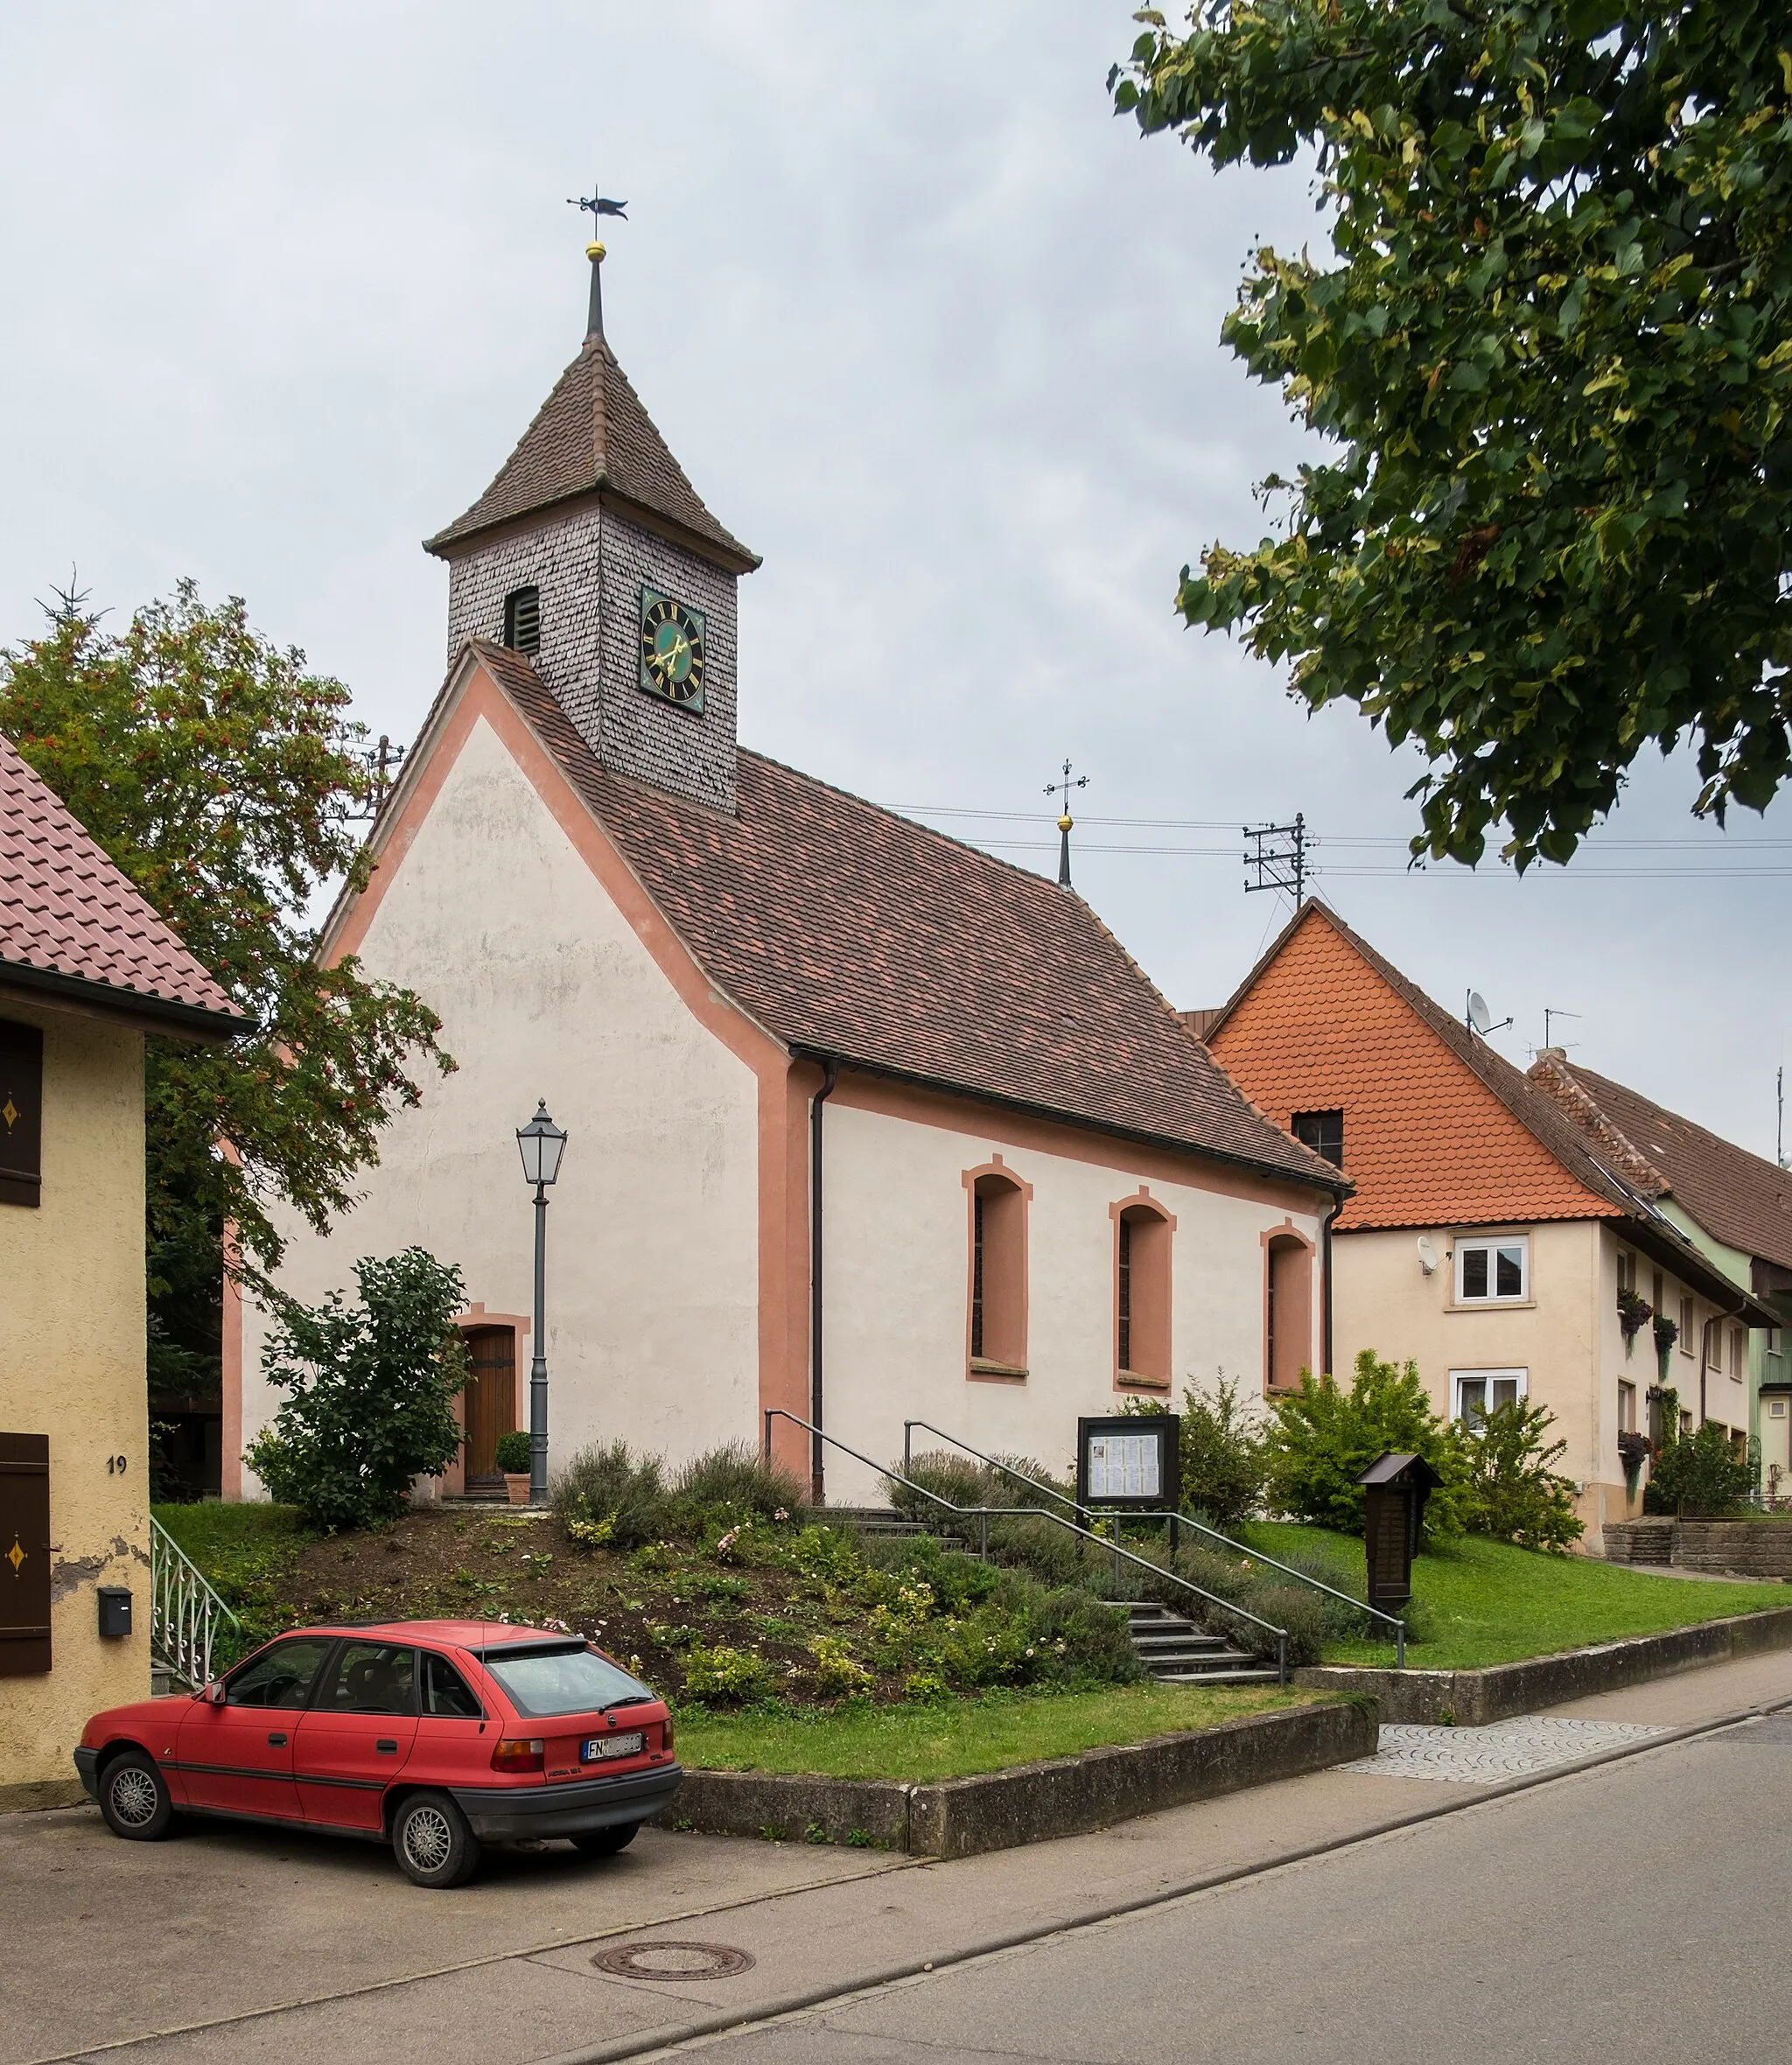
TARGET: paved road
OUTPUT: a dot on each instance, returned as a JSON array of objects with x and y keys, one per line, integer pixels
[
  {"x": 1641, "y": 1904},
  {"x": 1638, "y": 1910}
]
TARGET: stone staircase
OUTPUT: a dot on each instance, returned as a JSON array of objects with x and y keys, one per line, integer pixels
[
  {"x": 885, "y": 1522},
  {"x": 1177, "y": 1652}
]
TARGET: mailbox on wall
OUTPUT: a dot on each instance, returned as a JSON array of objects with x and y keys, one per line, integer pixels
[
  {"x": 24, "y": 1555},
  {"x": 1129, "y": 1463},
  {"x": 1395, "y": 1490}
]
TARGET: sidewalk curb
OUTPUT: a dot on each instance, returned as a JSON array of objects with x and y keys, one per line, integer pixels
[
  {"x": 650, "y": 2044},
  {"x": 1472, "y": 1699}
]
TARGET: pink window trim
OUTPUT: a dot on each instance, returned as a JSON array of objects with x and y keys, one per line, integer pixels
[
  {"x": 1133, "y": 1382},
  {"x": 986, "y": 1368}
]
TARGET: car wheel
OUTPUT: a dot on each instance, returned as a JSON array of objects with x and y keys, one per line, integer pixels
[
  {"x": 134, "y": 1797},
  {"x": 432, "y": 1843},
  {"x": 608, "y": 1842}
]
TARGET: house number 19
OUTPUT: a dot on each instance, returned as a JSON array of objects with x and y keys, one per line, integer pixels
[{"x": 115, "y": 1465}]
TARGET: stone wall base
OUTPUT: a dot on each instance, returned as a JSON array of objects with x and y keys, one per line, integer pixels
[{"x": 965, "y": 1817}]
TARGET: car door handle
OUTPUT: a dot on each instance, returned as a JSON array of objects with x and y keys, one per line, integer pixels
[
  {"x": 386, "y": 1747},
  {"x": 276, "y": 1739}
]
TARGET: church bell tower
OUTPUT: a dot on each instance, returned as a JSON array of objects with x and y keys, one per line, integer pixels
[{"x": 591, "y": 554}]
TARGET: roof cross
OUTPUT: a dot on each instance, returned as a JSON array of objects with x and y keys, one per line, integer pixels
[{"x": 1066, "y": 821}]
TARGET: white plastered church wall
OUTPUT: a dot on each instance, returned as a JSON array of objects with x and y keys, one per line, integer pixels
[
  {"x": 895, "y": 1233},
  {"x": 544, "y": 990}
]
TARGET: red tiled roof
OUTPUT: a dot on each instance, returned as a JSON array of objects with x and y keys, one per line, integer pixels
[
  {"x": 69, "y": 917},
  {"x": 1438, "y": 1130},
  {"x": 846, "y": 930},
  {"x": 1743, "y": 1199},
  {"x": 592, "y": 433}
]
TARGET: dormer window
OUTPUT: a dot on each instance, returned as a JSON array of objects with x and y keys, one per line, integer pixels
[{"x": 522, "y": 621}]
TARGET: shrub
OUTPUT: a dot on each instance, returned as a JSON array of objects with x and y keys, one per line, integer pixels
[
  {"x": 1511, "y": 1492},
  {"x": 512, "y": 1454},
  {"x": 733, "y": 1482},
  {"x": 1081, "y": 1637},
  {"x": 732, "y": 1676},
  {"x": 1221, "y": 1452},
  {"x": 370, "y": 1388},
  {"x": 607, "y": 1496},
  {"x": 1324, "y": 1438},
  {"x": 955, "y": 1478},
  {"x": 837, "y": 1672},
  {"x": 1697, "y": 1473}
]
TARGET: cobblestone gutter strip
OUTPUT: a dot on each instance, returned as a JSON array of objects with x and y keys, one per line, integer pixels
[
  {"x": 1470, "y": 1698},
  {"x": 1033, "y": 1803}
]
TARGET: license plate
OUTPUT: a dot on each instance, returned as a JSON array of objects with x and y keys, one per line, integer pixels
[{"x": 600, "y": 1747}]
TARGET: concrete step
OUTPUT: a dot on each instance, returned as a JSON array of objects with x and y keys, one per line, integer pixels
[{"x": 1252, "y": 1676}]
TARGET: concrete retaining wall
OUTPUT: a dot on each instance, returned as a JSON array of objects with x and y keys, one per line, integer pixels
[
  {"x": 963, "y": 1817},
  {"x": 1470, "y": 1698},
  {"x": 1751, "y": 1548}
]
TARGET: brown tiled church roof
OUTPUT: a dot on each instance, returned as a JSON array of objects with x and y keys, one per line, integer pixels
[
  {"x": 847, "y": 931},
  {"x": 592, "y": 433},
  {"x": 71, "y": 922},
  {"x": 1743, "y": 1199}
]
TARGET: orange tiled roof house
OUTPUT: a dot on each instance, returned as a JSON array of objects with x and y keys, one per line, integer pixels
[
  {"x": 1489, "y": 1231},
  {"x": 864, "y": 1124}
]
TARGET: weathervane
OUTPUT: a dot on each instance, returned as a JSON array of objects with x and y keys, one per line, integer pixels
[
  {"x": 1066, "y": 821},
  {"x": 596, "y": 207}
]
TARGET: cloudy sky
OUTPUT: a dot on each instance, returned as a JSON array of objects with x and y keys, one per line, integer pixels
[{"x": 928, "y": 327}]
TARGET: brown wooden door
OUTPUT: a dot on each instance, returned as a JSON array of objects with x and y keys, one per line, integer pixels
[
  {"x": 489, "y": 1400},
  {"x": 24, "y": 1554}
]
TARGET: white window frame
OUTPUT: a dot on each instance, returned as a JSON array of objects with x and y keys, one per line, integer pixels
[
  {"x": 1490, "y": 1245},
  {"x": 1739, "y": 1355},
  {"x": 1459, "y": 1377}
]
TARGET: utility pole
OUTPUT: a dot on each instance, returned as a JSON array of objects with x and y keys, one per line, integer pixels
[{"x": 1278, "y": 859}]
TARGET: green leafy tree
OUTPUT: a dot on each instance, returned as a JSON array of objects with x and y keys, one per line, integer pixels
[
  {"x": 1511, "y": 1490},
  {"x": 1699, "y": 1473},
  {"x": 222, "y": 777},
  {"x": 1221, "y": 1452},
  {"x": 1552, "y": 361},
  {"x": 1325, "y": 1438},
  {"x": 370, "y": 1391}
]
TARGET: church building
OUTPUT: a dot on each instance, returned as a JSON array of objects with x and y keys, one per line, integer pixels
[{"x": 863, "y": 1125}]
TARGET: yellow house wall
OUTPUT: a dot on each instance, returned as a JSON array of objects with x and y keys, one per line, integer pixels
[
  {"x": 1566, "y": 1337},
  {"x": 73, "y": 1270}
]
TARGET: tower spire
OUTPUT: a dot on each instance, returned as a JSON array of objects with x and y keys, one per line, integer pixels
[
  {"x": 1066, "y": 822},
  {"x": 596, "y": 207}
]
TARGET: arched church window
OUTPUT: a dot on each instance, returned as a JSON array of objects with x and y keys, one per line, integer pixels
[
  {"x": 1142, "y": 1236},
  {"x": 998, "y": 1273},
  {"x": 1287, "y": 1311},
  {"x": 522, "y": 619}
]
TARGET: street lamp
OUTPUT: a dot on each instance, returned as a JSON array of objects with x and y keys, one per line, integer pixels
[{"x": 541, "y": 1143}]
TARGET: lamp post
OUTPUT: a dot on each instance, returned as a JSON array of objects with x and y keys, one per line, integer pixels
[{"x": 541, "y": 1143}]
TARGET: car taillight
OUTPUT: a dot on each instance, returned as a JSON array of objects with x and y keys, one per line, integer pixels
[
  {"x": 519, "y": 1753},
  {"x": 666, "y": 1739}
]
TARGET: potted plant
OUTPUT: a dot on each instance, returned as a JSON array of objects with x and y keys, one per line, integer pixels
[
  {"x": 1634, "y": 1313},
  {"x": 512, "y": 1461}
]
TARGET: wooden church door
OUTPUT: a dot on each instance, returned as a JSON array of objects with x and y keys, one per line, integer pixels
[{"x": 489, "y": 1402}]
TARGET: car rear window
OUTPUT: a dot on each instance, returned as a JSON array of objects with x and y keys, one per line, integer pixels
[{"x": 542, "y": 1681}]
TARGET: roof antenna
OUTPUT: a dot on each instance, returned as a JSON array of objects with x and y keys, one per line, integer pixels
[
  {"x": 1551, "y": 1011},
  {"x": 595, "y": 207},
  {"x": 1066, "y": 822},
  {"x": 1478, "y": 1019},
  {"x": 1780, "y": 1123}
]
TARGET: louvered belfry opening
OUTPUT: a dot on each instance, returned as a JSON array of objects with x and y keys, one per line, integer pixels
[{"x": 522, "y": 621}]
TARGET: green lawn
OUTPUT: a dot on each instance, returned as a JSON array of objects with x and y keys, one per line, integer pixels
[
  {"x": 1481, "y": 1602},
  {"x": 919, "y": 1743}
]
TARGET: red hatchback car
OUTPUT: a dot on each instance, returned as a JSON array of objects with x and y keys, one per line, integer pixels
[{"x": 435, "y": 1735}]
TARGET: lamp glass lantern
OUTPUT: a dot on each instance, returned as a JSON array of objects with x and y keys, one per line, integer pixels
[{"x": 541, "y": 1143}]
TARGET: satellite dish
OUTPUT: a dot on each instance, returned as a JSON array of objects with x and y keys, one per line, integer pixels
[
  {"x": 1427, "y": 1254},
  {"x": 1479, "y": 1017}
]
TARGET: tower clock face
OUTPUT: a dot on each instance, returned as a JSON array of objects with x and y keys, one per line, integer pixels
[{"x": 672, "y": 651}]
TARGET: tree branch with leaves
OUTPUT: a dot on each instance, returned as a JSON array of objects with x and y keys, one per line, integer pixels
[{"x": 1552, "y": 365}]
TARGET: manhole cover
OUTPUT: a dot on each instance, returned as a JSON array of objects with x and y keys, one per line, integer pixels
[{"x": 673, "y": 1961}]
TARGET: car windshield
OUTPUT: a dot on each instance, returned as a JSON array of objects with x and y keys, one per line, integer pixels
[{"x": 564, "y": 1681}]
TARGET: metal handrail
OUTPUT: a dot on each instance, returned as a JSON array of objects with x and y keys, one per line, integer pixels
[
  {"x": 184, "y": 1611},
  {"x": 1182, "y": 1519},
  {"x": 984, "y": 1514}
]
